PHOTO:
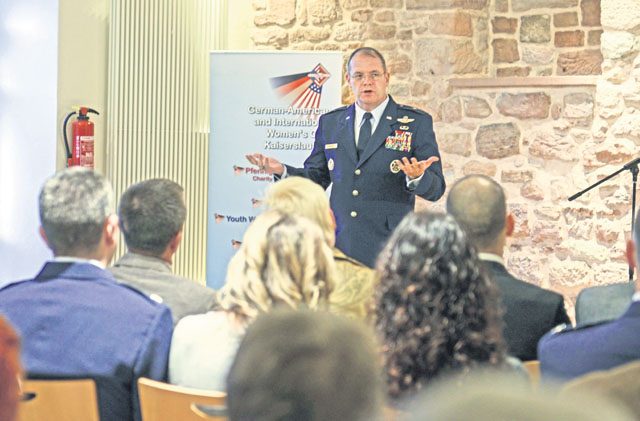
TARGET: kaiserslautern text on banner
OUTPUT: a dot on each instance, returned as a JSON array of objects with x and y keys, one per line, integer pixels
[{"x": 266, "y": 102}]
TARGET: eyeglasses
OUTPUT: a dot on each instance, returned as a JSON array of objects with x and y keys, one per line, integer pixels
[{"x": 374, "y": 76}]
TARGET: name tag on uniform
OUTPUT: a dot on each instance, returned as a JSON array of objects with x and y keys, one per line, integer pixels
[{"x": 331, "y": 146}]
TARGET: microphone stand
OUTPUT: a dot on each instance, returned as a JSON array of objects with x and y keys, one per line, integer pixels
[{"x": 633, "y": 167}]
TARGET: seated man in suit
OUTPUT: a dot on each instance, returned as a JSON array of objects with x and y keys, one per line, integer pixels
[
  {"x": 478, "y": 204},
  {"x": 152, "y": 215},
  {"x": 572, "y": 352},
  {"x": 603, "y": 303},
  {"x": 74, "y": 318}
]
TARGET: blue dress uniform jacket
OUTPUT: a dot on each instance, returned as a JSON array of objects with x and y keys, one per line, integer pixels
[
  {"x": 574, "y": 351},
  {"x": 76, "y": 321},
  {"x": 369, "y": 197}
]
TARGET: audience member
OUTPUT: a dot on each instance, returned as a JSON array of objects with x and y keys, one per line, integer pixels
[
  {"x": 574, "y": 351},
  {"x": 305, "y": 366},
  {"x": 437, "y": 313},
  {"x": 152, "y": 215},
  {"x": 620, "y": 384},
  {"x": 491, "y": 396},
  {"x": 75, "y": 320},
  {"x": 603, "y": 303},
  {"x": 10, "y": 371},
  {"x": 284, "y": 261},
  {"x": 353, "y": 294},
  {"x": 478, "y": 204}
]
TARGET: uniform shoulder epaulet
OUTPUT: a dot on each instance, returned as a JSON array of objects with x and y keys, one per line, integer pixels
[
  {"x": 155, "y": 298},
  {"x": 412, "y": 109},
  {"x": 335, "y": 110},
  {"x": 564, "y": 327}
]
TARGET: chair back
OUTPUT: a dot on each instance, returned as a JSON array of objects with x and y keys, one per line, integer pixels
[
  {"x": 60, "y": 400},
  {"x": 533, "y": 369},
  {"x": 161, "y": 401}
]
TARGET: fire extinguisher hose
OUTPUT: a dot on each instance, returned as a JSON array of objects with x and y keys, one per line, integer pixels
[{"x": 64, "y": 134}]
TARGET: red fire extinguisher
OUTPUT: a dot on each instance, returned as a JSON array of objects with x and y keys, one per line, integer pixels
[{"x": 81, "y": 151}]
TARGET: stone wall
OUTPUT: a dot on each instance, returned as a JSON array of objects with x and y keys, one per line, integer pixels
[{"x": 541, "y": 144}]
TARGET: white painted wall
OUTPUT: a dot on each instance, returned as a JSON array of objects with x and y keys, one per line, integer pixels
[{"x": 28, "y": 90}]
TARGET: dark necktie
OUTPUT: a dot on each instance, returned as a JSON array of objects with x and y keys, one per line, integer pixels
[{"x": 365, "y": 133}]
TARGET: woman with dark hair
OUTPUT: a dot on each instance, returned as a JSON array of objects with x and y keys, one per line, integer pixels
[{"x": 436, "y": 311}]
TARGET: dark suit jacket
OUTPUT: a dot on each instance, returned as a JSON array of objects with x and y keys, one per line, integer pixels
[
  {"x": 75, "y": 321},
  {"x": 368, "y": 199},
  {"x": 529, "y": 311},
  {"x": 575, "y": 351},
  {"x": 603, "y": 303}
]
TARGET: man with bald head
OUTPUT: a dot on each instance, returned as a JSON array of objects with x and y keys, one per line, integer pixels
[{"x": 478, "y": 204}]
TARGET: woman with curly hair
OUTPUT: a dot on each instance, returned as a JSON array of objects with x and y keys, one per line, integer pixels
[
  {"x": 436, "y": 311},
  {"x": 283, "y": 261}
]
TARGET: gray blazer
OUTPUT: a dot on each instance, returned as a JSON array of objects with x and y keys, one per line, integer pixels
[
  {"x": 603, "y": 303},
  {"x": 153, "y": 276}
]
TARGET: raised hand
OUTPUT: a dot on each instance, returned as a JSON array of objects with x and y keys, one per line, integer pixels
[
  {"x": 265, "y": 163},
  {"x": 414, "y": 168}
]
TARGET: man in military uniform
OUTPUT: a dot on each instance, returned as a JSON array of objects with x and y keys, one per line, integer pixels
[
  {"x": 378, "y": 154},
  {"x": 573, "y": 351}
]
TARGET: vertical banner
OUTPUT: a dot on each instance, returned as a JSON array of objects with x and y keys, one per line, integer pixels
[{"x": 266, "y": 102}]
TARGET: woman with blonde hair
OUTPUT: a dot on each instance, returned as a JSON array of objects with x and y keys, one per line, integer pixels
[
  {"x": 283, "y": 261},
  {"x": 354, "y": 292}
]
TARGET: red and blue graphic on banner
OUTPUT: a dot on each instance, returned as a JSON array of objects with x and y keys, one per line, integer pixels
[{"x": 302, "y": 90}]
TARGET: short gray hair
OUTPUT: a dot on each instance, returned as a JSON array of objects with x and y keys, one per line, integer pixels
[
  {"x": 151, "y": 213},
  {"x": 74, "y": 204},
  {"x": 478, "y": 204},
  {"x": 370, "y": 52}
]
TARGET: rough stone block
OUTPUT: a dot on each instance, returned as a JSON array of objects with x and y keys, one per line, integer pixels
[
  {"x": 450, "y": 110},
  {"x": 537, "y": 54},
  {"x": 420, "y": 88},
  {"x": 594, "y": 37},
  {"x": 524, "y": 106},
  {"x": 458, "y": 24},
  {"x": 381, "y": 31},
  {"x": 322, "y": 11},
  {"x": 505, "y": 50},
  {"x": 345, "y": 31},
  {"x": 277, "y": 37},
  {"x": 587, "y": 62},
  {"x": 437, "y": 57},
  {"x": 562, "y": 20},
  {"x": 590, "y": 12},
  {"x": 443, "y": 4},
  {"x": 475, "y": 107},
  {"x": 569, "y": 39},
  {"x": 477, "y": 167},
  {"x": 496, "y": 141},
  {"x": 311, "y": 34},
  {"x": 363, "y": 15},
  {"x": 455, "y": 143},
  {"x": 503, "y": 25},
  {"x": 385, "y": 16},
  {"x": 513, "y": 71},
  {"x": 550, "y": 145},
  {"x": 535, "y": 29},
  {"x": 532, "y": 191},
  {"x": 394, "y": 4},
  {"x": 502, "y": 6},
  {"x": 621, "y": 15},
  {"x": 524, "y": 5},
  {"x": 516, "y": 176},
  {"x": 354, "y": 4}
]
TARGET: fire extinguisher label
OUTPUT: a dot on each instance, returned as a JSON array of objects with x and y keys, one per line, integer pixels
[{"x": 86, "y": 151}]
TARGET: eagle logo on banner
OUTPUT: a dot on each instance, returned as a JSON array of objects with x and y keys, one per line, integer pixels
[{"x": 302, "y": 90}]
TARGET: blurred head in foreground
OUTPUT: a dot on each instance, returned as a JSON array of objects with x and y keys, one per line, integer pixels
[{"x": 304, "y": 366}]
